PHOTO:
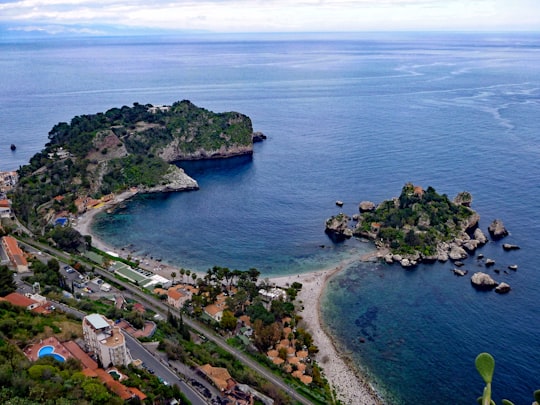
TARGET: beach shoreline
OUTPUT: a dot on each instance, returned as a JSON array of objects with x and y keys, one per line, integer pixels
[{"x": 350, "y": 385}]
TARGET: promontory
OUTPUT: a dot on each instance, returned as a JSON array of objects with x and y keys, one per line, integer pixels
[{"x": 95, "y": 156}]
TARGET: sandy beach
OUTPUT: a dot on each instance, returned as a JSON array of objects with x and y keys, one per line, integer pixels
[{"x": 350, "y": 386}]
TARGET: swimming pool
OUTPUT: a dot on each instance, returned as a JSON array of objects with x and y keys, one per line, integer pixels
[{"x": 49, "y": 351}]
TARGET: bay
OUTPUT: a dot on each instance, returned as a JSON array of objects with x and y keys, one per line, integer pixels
[{"x": 347, "y": 118}]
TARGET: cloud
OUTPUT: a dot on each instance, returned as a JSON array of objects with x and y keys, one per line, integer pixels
[{"x": 276, "y": 15}]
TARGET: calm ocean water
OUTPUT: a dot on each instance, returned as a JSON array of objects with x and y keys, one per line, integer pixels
[{"x": 349, "y": 119}]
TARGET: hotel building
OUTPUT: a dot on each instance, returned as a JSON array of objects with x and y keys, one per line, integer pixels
[{"x": 105, "y": 340}]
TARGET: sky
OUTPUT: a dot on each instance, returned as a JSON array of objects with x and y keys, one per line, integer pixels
[{"x": 101, "y": 17}]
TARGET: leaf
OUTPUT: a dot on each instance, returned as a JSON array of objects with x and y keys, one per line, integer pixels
[
  {"x": 485, "y": 364},
  {"x": 506, "y": 402},
  {"x": 537, "y": 396}
]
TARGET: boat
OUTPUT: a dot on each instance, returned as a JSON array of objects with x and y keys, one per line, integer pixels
[{"x": 13, "y": 147}]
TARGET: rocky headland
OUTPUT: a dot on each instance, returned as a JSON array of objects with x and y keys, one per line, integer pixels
[{"x": 97, "y": 156}]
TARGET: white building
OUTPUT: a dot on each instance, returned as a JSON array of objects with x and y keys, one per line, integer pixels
[
  {"x": 157, "y": 279},
  {"x": 272, "y": 294},
  {"x": 105, "y": 340}
]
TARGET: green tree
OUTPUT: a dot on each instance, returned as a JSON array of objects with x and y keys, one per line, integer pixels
[
  {"x": 96, "y": 392},
  {"x": 228, "y": 320},
  {"x": 7, "y": 284}
]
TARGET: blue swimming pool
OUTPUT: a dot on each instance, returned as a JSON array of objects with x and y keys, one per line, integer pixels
[{"x": 49, "y": 351}]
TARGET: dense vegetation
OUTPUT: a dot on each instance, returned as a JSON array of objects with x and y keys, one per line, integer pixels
[
  {"x": 47, "y": 381},
  {"x": 97, "y": 154},
  {"x": 416, "y": 221}
]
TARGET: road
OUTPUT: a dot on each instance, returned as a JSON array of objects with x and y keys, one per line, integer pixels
[
  {"x": 162, "y": 309},
  {"x": 138, "y": 351},
  {"x": 154, "y": 363}
]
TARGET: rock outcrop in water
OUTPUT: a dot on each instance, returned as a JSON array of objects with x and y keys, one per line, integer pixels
[
  {"x": 337, "y": 228},
  {"x": 483, "y": 281},
  {"x": 497, "y": 230}
]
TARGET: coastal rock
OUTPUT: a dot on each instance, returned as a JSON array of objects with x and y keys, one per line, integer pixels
[
  {"x": 497, "y": 230},
  {"x": 366, "y": 206},
  {"x": 388, "y": 258},
  {"x": 471, "y": 222},
  {"x": 459, "y": 272},
  {"x": 483, "y": 281},
  {"x": 502, "y": 288},
  {"x": 339, "y": 203},
  {"x": 490, "y": 262},
  {"x": 471, "y": 245},
  {"x": 406, "y": 263},
  {"x": 258, "y": 137},
  {"x": 337, "y": 227},
  {"x": 508, "y": 246},
  {"x": 464, "y": 198},
  {"x": 513, "y": 267},
  {"x": 480, "y": 236},
  {"x": 457, "y": 252},
  {"x": 175, "y": 180}
]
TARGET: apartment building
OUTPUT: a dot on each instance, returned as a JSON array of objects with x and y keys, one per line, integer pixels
[{"x": 106, "y": 340}]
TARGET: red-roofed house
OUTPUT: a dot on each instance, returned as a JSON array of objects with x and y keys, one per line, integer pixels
[
  {"x": 20, "y": 300},
  {"x": 14, "y": 253},
  {"x": 177, "y": 297},
  {"x": 5, "y": 208}
]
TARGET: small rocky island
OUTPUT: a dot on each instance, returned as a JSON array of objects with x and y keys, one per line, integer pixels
[{"x": 418, "y": 226}]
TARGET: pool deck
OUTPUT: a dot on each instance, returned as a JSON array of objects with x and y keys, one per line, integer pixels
[{"x": 32, "y": 351}]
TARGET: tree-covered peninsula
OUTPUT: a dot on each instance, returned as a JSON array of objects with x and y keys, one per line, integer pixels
[
  {"x": 419, "y": 225},
  {"x": 99, "y": 154}
]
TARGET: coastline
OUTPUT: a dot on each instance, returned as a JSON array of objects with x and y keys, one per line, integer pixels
[{"x": 350, "y": 386}]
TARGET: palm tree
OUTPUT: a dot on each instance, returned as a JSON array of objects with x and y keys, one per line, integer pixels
[
  {"x": 173, "y": 275},
  {"x": 182, "y": 272}
]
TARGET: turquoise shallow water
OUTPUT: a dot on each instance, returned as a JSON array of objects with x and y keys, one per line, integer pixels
[{"x": 347, "y": 119}]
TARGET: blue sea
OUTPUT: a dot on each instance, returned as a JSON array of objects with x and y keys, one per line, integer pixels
[{"x": 351, "y": 118}]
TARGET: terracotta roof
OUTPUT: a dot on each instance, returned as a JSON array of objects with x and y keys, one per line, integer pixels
[
  {"x": 212, "y": 309},
  {"x": 306, "y": 379},
  {"x": 4, "y": 203},
  {"x": 19, "y": 300},
  {"x": 77, "y": 352},
  {"x": 138, "y": 393},
  {"x": 302, "y": 354},
  {"x": 89, "y": 373},
  {"x": 219, "y": 376},
  {"x": 293, "y": 360},
  {"x": 174, "y": 294},
  {"x": 278, "y": 360},
  {"x": 273, "y": 353},
  {"x": 119, "y": 389},
  {"x": 246, "y": 319}
]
